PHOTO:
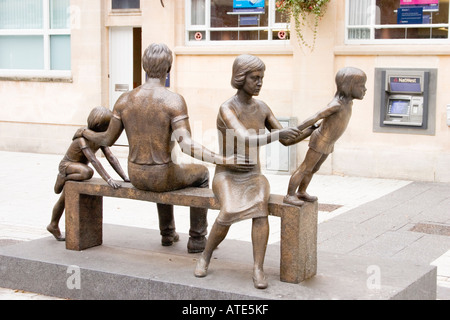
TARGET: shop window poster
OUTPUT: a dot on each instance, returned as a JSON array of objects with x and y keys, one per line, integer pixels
[{"x": 248, "y": 5}]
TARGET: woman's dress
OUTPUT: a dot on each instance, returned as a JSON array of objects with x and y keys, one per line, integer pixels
[{"x": 242, "y": 195}]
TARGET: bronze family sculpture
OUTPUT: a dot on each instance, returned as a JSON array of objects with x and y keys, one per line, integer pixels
[
  {"x": 74, "y": 166},
  {"x": 155, "y": 119},
  {"x": 242, "y": 121},
  {"x": 351, "y": 84}
]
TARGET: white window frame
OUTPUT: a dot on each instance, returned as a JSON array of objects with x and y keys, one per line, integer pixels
[
  {"x": 373, "y": 26},
  {"x": 272, "y": 26},
  {"x": 46, "y": 32}
]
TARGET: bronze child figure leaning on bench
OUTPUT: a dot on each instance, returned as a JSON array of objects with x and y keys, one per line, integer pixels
[{"x": 74, "y": 166}]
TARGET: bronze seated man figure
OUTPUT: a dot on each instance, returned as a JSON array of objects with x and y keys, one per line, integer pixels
[{"x": 154, "y": 118}]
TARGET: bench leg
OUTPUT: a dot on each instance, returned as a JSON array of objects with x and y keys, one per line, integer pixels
[
  {"x": 299, "y": 243},
  {"x": 84, "y": 220}
]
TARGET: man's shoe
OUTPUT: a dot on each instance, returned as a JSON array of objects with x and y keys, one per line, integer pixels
[
  {"x": 196, "y": 245},
  {"x": 167, "y": 241}
]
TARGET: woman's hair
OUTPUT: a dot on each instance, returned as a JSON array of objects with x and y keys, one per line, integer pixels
[
  {"x": 346, "y": 78},
  {"x": 157, "y": 60},
  {"x": 243, "y": 65},
  {"x": 99, "y": 119}
]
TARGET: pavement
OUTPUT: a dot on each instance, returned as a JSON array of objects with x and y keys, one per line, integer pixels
[{"x": 400, "y": 219}]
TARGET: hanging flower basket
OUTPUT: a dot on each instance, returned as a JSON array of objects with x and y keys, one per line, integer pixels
[{"x": 302, "y": 10}]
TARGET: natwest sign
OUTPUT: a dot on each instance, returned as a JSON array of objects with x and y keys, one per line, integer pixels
[{"x": 418, "y": 2}]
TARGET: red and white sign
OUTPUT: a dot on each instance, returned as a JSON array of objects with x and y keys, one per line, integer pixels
[
  {"x": 198, "y": 36},
  {"x": 282, "y": 35}
]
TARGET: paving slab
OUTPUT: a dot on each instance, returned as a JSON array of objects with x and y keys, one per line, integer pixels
[{"x": 131, "y": 264}]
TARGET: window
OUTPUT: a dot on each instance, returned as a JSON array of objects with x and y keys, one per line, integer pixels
[
  {"x": 215, "y": 21},
  {"x": 397, "y": 21},
  {"x": 125, "y": 4},
  {"x": 34, "y": 37}
]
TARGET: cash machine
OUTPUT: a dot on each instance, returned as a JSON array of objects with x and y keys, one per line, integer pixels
[{"x": 405, "y": 100}]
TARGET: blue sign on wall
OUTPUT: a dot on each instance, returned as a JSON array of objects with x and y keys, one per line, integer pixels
[
  {"x": 248, "y": 5},
  {"x": 411, "y": 15}
]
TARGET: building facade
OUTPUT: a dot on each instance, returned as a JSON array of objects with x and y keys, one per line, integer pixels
[{"x": 61, "y": 58}]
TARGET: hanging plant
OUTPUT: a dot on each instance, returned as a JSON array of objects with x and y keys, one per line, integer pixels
[{"x": 302, "y": 10}]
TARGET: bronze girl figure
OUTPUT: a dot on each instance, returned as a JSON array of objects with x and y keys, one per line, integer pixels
[{"x": 351, "y": 84}]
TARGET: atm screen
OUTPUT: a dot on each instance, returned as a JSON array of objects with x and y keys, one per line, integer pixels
[{"x": 399, "y": 107}]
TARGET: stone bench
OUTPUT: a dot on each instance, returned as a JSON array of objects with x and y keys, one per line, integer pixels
[{"x": 84, "y": 220}]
